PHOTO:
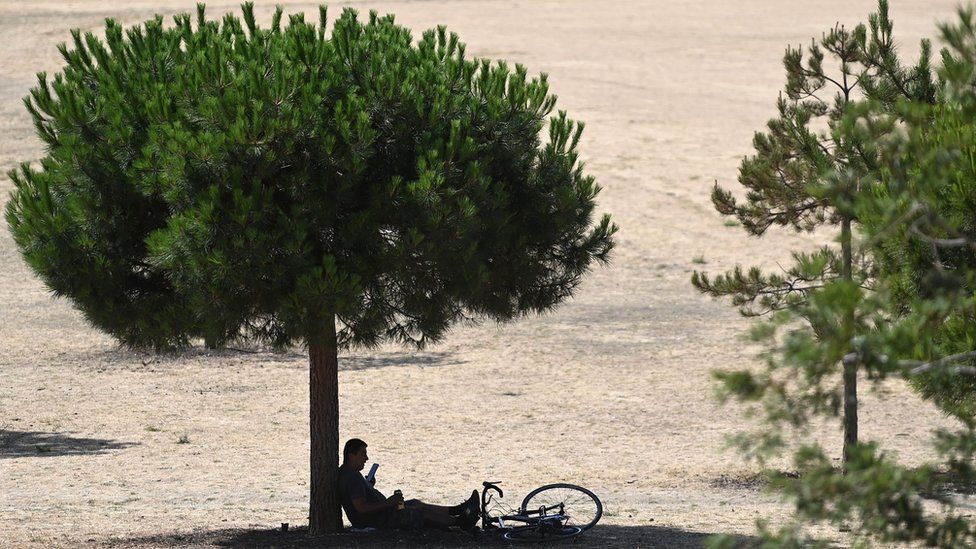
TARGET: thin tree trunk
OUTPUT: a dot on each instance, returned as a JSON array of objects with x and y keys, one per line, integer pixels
[
  {"x": 324, "y": 513},
  {"x": 850, "y": 367}
]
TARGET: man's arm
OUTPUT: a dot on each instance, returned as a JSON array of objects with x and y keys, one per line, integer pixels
[{"x": 366, "y": 508}]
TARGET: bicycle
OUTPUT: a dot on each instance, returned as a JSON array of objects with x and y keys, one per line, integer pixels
[{"x": 549, "y": 513}]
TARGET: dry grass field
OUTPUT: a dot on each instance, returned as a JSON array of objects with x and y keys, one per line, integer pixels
[{"x": 102, "y": 446}]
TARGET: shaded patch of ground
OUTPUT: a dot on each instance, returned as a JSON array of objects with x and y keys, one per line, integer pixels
[
  {"x": 130, "y": 360},
  {"x": 949, "y": 483},
  {"x": 424, "y": 359},
  {"x": 18, "y": 444},
  {"x": 600, "y": 536},
  {"x": 751, "y": 481},
  {"x": 755, "y": 481}
]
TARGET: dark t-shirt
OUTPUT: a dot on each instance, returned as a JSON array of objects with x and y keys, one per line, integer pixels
[{"x": 352, "y": 486}]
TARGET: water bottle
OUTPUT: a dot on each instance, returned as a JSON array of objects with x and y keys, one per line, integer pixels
[{"x": 399, "y": 494}]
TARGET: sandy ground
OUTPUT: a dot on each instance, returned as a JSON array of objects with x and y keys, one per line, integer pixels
[{"x": 612, "y": 391}]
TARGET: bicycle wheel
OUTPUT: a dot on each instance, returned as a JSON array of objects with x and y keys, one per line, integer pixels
[
  {"x": 534, "y": 533},
  {"x": 581, "y": 506}
]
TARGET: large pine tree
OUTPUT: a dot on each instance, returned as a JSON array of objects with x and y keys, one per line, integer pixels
[{"x": 235, "y": 182}]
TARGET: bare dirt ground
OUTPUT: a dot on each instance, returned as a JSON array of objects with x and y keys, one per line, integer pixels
[{"x": 612, "y": 391}]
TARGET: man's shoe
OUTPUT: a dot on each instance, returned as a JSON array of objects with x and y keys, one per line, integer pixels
[
  {"x": 458, "y": 510},
  {"x": 471, "y": 513}
]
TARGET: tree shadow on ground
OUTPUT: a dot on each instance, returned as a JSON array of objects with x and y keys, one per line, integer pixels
[
  {"x": 295, "y": 538},
  {"x": 129, "y": 359},
  {"x": 19, "y": 444},
  {"x": 946, "y": 483},
  {"x": 425, "y": 359},
  {"x": 756, "y": 482},
  {"x": 140, "y": 361},
  {"x": 950, "y": 483}
]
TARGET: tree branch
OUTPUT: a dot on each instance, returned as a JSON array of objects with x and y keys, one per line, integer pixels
[{"x": 918, "y": 367}]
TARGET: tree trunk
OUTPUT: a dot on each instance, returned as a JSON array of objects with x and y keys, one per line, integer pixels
[
  {"x": 324, "y": 515},
  {"x": 850, "y": 367}
]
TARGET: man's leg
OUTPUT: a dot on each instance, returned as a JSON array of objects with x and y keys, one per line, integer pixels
[{"x": 434, "y": 515}]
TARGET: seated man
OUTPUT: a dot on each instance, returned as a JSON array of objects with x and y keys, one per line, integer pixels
[{"x": 366, "y": 507}]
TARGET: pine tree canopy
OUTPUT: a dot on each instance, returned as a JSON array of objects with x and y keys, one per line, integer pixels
[
  {"x": 790, "y": 179},
  {"x": 807, "y": 168},
  {"x": 904, "y": 171},
  {"x": 218, "y": 179},
  {"x": 921, "y": 220}
]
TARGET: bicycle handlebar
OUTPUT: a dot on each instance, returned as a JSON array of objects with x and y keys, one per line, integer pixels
[
  {"x": 493, "y": 486},
  {"x": 485, "y": 498}
]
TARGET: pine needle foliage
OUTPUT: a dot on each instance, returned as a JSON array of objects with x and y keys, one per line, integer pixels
[
  {"x": 918, "y": 224},
  {"x": 806, "y": 174},
  {"x": 791, "y": 180},
  {"x": 224, "y": 179},
  {"x": 925, "y": 256},
  {"x": 916, "y": 324},
  {"x": 291, "y": 186}
]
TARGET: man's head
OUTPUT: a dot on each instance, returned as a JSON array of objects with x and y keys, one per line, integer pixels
[{"x": 354, "y": 454}]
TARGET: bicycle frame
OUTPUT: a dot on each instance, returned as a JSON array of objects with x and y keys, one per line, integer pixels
[{"x": 527, "y": 516}]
